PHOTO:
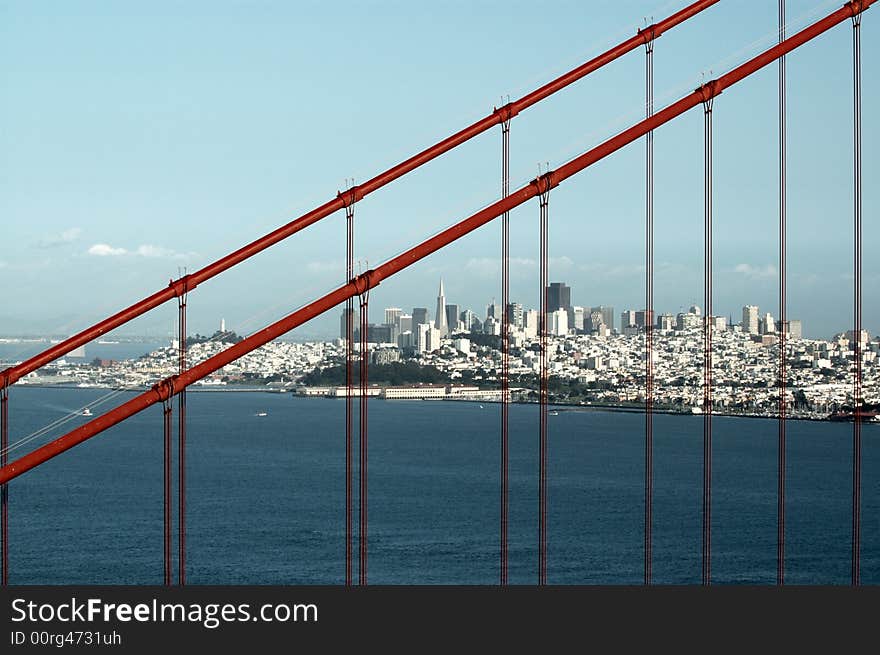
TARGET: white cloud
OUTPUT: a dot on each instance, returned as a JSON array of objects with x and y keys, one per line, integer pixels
[
  {"x": 104, "y": 250},
  {"x": 149, "y": 250},
  {"x": 491, "y": 266},
  {"x": 67, "y": 236},
  {"x": 325, "y": 266},
  {"x": 756, "y": 272},
  {"x": 144, "y": 250}
]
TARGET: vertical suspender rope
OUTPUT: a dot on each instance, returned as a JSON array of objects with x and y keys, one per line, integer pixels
[
  {"x": 857, "y": 300},
  {"x": 707, "y": 351},
  {"x": 783, "y": 319},
  {"x": 544, "y": 186},
  {"x": 364, "y": 361},
  {"x": 181, "y": 445},
  {"x": 166, "y": 424},
  {"x": 349, "y": 386},
  {"x": 505, "y": 349},
  {"x": 649, "y": 308}
]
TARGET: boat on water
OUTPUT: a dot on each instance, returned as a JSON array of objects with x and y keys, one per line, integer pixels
[
  {"x": 262, "y": 414},
  {"x": 86, "y": 412}
]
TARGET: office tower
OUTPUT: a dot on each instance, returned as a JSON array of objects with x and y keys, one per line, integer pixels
[
  {"x": 579, "y": 318},
  {"x": 644, "y": 318},
  {"x": 768, "y": 324},
  {"x": 595, "y": 321},
  {"x": 530, "y": 323},
  {"x": 392, "y": 315},
  {"x": 405, "y": 340},
  {"x": 381, "y": 334},
  {"x": 440, "y": 317},
  {"x": 419, "y": 317},
  {"x": 558, "y": 297},
  {"x": 422, "y": 337},
  {"x": 695, "y": 309},
  {"x": 467, "y": 318},
  {"x": 558, "y": 321},
  {"x": 452, "y": 318},
  {"x": 343, "y": 334},
  {"x": 687, "y": 321},
  {"x": 794, "y": 329},
  {"x": 515, "y": 314},
  {"x": 627, "y": 318},
  {"x": 492, "y": 326},
  {"x": 607, "y": 315},
  {"x": 666, "y": 322},
  {"x": 493, "y": 310},
  {"x": 719, "y": 323},
  {"x": 750, "y": 319},
  {"x": 406, "y": 323}
]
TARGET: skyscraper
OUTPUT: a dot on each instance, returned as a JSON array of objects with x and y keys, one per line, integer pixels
[
  {"x": 558, "y": 297},
  {"x": 607, "y": 315},
  {"x": 750, "y": 319},
  {"x": 440, "y": 317},
  {"x": 392, "y": 316},
  {"x": 515, "y": 314},
  {"x": 452, "y": 317},
  {"x": 343, "y": 330},
  {"x": 627, "y": 318},
  {"x": 419, "y": 317}
]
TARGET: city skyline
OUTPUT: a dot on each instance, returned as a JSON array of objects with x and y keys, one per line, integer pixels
[{"x": 564, "y": 317}]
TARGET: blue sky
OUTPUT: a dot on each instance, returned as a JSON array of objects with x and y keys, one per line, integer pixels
[{"x": 141, "y": 138}]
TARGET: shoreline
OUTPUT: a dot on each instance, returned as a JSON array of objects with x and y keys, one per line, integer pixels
[{"x": 564, "y": 407}]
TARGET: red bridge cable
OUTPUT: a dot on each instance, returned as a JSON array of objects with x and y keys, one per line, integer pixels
[
  {"x": 349, "y": 391},
  {"x": 544, "y": 195},
  {"x": 372, "y": 278},
  {"x": 857, "y": 300},
  {"x": 649, "y": 308},
  {"x": 166, "y": 496},
  {"x": 362, "y": 470},
  {"x": 505, "y": 351},
  {"x": 707, "y": 350},
  {"x": 181, "y": 446},
  {"x": 14, "y": 373},
  {"x": 783, "y": 321}
]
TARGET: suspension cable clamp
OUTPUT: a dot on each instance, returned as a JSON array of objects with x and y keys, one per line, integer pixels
[
  {"x": 543, "y": 183},
  {"x": 181, "y": 286},
  {"x": 165, "y": 388},
  {"x": 708, "y": 92},
  {"x": 364, "y": 282},
  {"x": 505, "y": 113},
  {"x": 648, "y": 35},
  {"x": 350, "y": 196},
  {"x": 856, "y": 7}
]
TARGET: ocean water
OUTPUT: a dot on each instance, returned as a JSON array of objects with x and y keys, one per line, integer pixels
[{"x": 266, "y": 496}]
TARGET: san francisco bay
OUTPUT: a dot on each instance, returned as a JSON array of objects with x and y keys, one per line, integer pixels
[{"x": 265, "y": 495}]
